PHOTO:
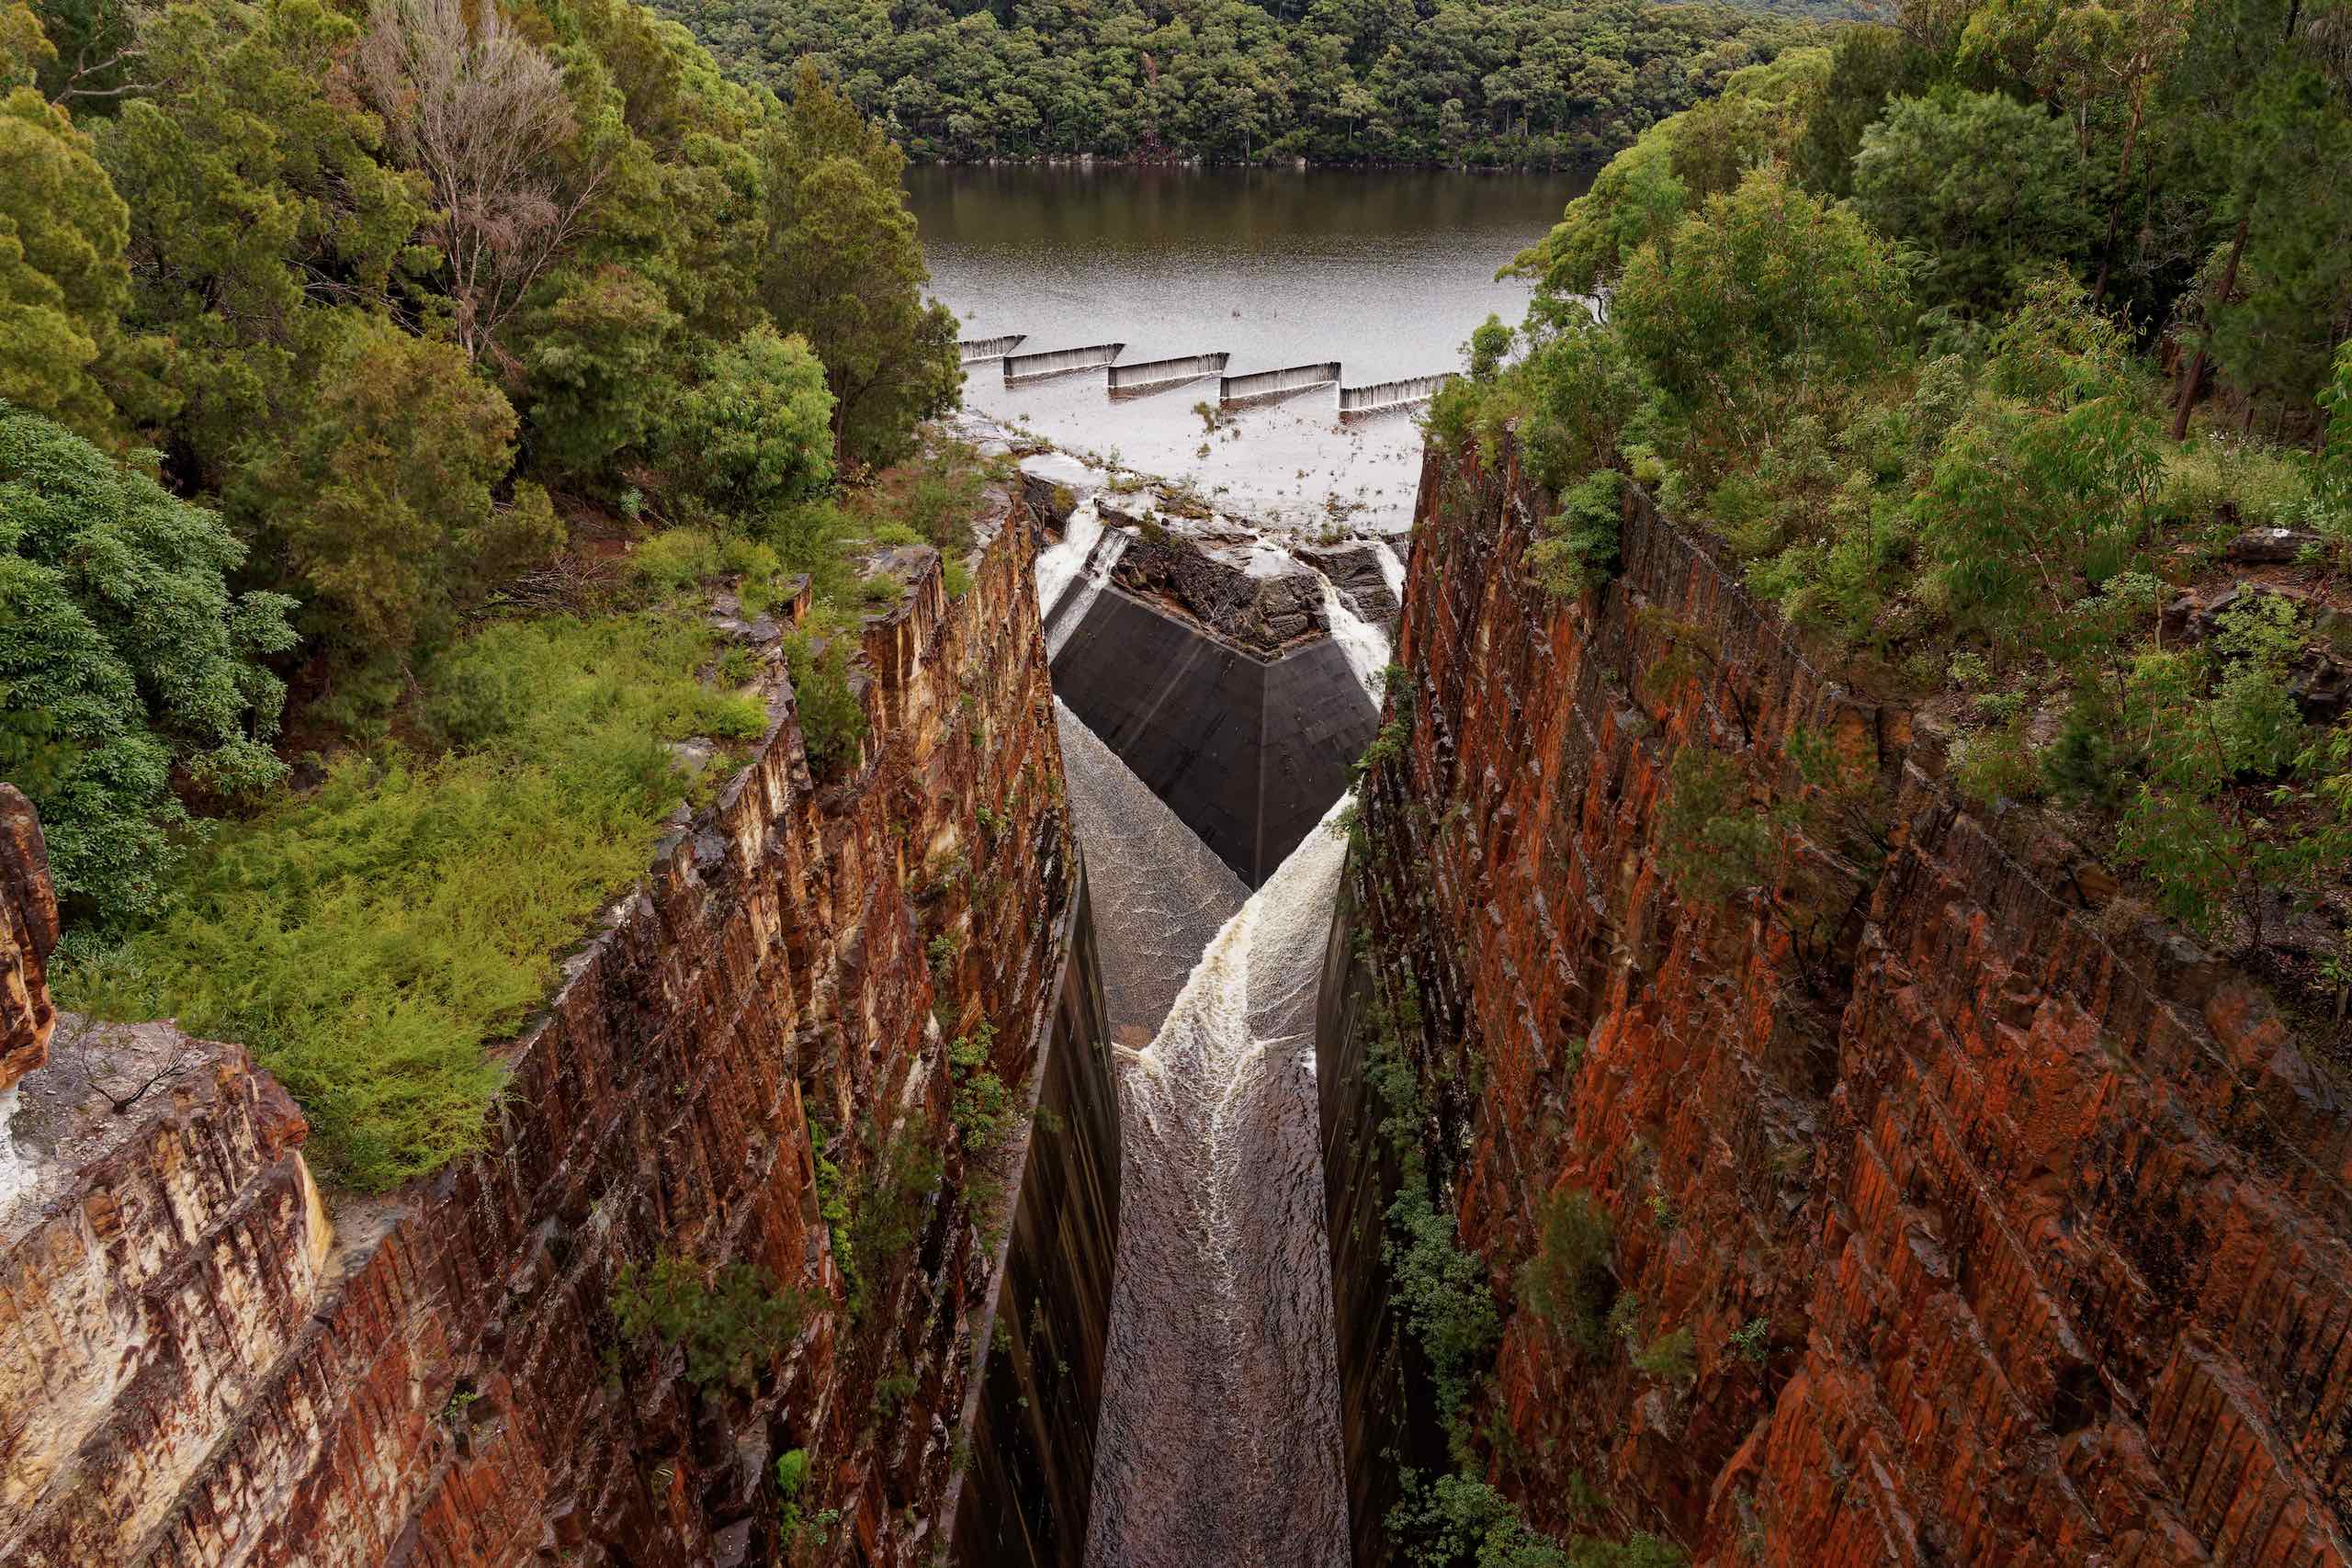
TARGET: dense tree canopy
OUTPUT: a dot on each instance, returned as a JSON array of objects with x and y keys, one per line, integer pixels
[
  {"x": 1330, "y": 80},
  {"x": 353, "y": 303}
]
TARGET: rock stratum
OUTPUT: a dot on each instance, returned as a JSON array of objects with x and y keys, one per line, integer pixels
[
  {"x": 2007, "y": 1227},
  {"x": 205, "y": 1362}
]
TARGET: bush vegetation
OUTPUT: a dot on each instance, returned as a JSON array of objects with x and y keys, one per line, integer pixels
[
  {"x": 1881, "y": 315},
  {"x": 368, "y": 938},
  {"x": 730, "y": 1325}
]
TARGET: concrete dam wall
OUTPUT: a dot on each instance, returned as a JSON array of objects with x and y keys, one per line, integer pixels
[
  {"x": 1383, "y": 395},
  {"x": 1054, "y": 362},
  {"x": 1234, "y": 389},
  {"x": 973, "y": 348},
  {"x": 1166, "y": 372}
]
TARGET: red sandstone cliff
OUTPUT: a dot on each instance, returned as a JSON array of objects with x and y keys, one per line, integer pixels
[
  {"x": 202, "y": 1363},
  {"x": 2043, "y": 1211}
]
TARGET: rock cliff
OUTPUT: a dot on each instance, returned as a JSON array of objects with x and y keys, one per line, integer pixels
[
  {"x": 202, "y": 1362},
  {"x": 2005, "y": 1226}
]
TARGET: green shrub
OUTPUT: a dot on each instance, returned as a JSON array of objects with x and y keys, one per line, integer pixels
[
  {"x": 730, "y": 1327},
  {"x": 1442, "y": 1290},
  {"x": 833, "y": 719},
  {"x": 1670, "y": 1358},
  {"x": 122, "y": 646},
  {"x": 757, "y": 431},
  {"x": 1567, "y": 1283},
  {"x": 368, "y": 940},
  {"x": 1577, "y": 549},
  {"x": 1460, "y": 1521},
  {"x": 675, "y": 558},
  {"x": 983, "y": 1109}
]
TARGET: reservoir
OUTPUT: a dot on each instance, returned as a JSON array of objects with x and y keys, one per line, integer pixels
[{"x": 1384, "y": 272}]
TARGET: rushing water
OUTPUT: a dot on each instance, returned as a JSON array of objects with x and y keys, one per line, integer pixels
[
  {"x": 1219, "y": 1441},
  {"x": 1384, "y": 272}
]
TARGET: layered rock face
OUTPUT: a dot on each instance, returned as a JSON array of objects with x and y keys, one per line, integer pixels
[
  {"x": 2006, "y": 1226},
  {"x": 202, "y": 1363}
]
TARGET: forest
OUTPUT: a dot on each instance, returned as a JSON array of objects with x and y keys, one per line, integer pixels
[
  {"x": 383, "y": 385},
  {"x": 1551, "y": 83}
]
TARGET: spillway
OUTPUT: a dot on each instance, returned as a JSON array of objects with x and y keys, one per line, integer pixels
[
  {"x": 1151, "y": 374},
  {"x": 1219, "y": 1437},
  {"x": 1264, "y": 384},
  {"x": 1381, "y": 396},
  {"x": 1056, "y": 361}
]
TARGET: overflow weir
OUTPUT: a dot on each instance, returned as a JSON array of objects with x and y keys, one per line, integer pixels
[
  {"x": 977, "y": 348},
  {"x": 1055, "y": 361},
  {"x": 1264, "y": 384},
  {"x": 1381, "y": 396},
  {"x": 1154, "y": 374}
]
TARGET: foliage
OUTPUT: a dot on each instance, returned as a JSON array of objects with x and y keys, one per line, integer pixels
[
  {"x": 887, "y": 1210},
  {"x": 1230, "y": 80},
  {"x": 1568, "y": 1283},
  {"x": 1460, "y": 1521},
  {"x": 731, "y": 1326},
  {"x": 844, "y": 271},
  {"x": 757, "y": 430},
  {"x": 983, "y": 1107},
  {"x": 1443, "y": 1292},
  {"x": 380, "y": 505},
  {"x": 1577, "y": 547},
  {"x": 1991, "y": 192},
  {"x": 833, "y": 719},
  {"x": 64, "y": 283},
  {"x": 117, "y": 625},
  {"x": 1757, "y": 309},
  {"x": 1669, "y": 1357},
  {"x": 368, "y": 940}
]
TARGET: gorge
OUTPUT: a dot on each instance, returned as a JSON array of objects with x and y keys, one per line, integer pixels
[{"x": 2012, "y": 1229}]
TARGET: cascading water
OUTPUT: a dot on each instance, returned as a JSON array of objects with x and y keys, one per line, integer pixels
[
  {"x": 1367, "y": 648},
  {"x": 1220, "y": 1434},
  {"x": 1219, "y": 1442}
]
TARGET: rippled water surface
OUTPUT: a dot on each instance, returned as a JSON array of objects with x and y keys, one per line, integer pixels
[{"x": 1384, "y": 272}]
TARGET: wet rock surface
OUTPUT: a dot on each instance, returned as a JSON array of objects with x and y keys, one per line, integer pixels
[{"x": 1260, "y": 615}]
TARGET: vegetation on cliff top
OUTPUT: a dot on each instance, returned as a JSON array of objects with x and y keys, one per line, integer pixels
[
  {"x": 1890, "y": 319},
  {"x": 1336, "y": 81},
  {"x": 390, "y": 384}
]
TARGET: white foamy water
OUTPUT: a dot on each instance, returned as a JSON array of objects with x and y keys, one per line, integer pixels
[
  {"x": 1219, "y": 1442},
  {"x": 16, "y": 1174},
  {"x": 1365, "y": 645},
  {"x": 1392, "y": 569},
  {"x": 1075, "y": 586}
]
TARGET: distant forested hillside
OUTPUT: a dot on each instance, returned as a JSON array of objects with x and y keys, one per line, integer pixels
[{"x": 1338, "y": 80}]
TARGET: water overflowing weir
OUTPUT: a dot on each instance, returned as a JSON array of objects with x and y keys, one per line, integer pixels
[
  {"x": 1381, "y": 396},
  {"x": 1055, "y": 361},
  {"x": 973, "y": 348},
  {"x": 1219, "y": 1441},
  {"x": 1152, "y": 374},
  {"x": 1219, "y": 1437},
  {"x": 1231, "y": 389}
]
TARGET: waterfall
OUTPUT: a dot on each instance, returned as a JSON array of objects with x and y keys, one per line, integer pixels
[
  {"x": 1076, "y": 577},
  {"x": 1392, "y": 569},
  {"x": 1220, "y": 1435},
  {"x": 16, "y": 1172},
  {"x": 1364, "y": 644}
]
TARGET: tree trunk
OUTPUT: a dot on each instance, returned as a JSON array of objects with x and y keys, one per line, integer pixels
[
  {"x": 2115, "y": 207},
  {"x": 2188, "y": 383}
]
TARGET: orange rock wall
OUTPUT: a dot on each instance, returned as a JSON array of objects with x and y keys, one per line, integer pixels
[
  {"x": 205, "y": 1366},
  {"x": 2043, "y": 1211}
]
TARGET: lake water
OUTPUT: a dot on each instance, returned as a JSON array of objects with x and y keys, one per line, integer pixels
[{"x": 1384, "y": 272}]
